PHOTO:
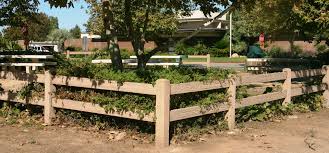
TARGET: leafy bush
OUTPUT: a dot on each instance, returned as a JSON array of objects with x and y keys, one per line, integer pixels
[
  {"x": 277, "y": 52},
  {"x": 223, "y": 43},
  {"x": 9, "y": 45},
  {"x": 141, "y": 104},
  {"x": 323, "y": 54},
  {"x": 83, "y": 68},
  {"x": 125, "y": 53},
  {"x": 218, "y": 49},
  {"x": 266, "y": 111}
]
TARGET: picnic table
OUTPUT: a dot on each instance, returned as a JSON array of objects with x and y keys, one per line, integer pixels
[{"x": 28, "y": 65}]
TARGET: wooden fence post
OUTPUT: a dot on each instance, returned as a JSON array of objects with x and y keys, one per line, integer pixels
[
  {"x": 48, "y": 108},
  {"x": 326, "y": 92},
  {"x": 286, "y": 87},
  {"x": 68, "y": 54},
  {"x": 208, "y": 61},
  {"x": 230, "y": 115},
  {"x": 162, "y": 111}
]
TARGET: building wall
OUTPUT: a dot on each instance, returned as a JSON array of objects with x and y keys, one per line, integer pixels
[{"x": 101, "y": 45}]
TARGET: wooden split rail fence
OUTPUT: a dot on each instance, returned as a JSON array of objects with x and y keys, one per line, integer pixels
[{"x": 163, "y": 90}]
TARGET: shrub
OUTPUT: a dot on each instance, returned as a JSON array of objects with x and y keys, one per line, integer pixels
[
  {"x": 181, "y": 49},
  {"x": 223, "y": 43},
  {"x": 277, "y": 52},
  {"x": 125, "y": 53},
  {"x": 73, "y": 48},
  {"x": 323, "y": 54}
]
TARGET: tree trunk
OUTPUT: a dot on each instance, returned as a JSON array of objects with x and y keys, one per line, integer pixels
[
  {"x": 291, "y": 42},
  {"x": 138, "y": 45},
  {"x": 111, "y": 37}
]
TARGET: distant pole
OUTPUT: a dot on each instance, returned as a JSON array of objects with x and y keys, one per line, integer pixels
[{"x": 230, "y": 34}]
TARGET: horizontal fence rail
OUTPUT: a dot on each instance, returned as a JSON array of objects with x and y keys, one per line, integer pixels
[
  {"x": 95, "y": 108},
  {"x": 197, "y": 86},
  {"x": 131, "y": 87},
  {"x": 77, "y": 105},
  {"x": 163, "y": 91}
]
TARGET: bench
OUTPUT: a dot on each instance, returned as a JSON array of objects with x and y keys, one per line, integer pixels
[
  {"x": 35, "y": 61},
  {"x": 109, "y": 61},
  {"x": 133, "y": 61},
  {"x": 156, "y": 60}
]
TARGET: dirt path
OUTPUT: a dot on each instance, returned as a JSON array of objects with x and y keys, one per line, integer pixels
[{"x": 301, "y": 133}]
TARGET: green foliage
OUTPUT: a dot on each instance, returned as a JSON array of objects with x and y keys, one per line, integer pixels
[
  {"x": 307, "y": 103},
  {"x": 83, "y": 68},
  {"x": 140, "y": 103},
  {"x": 277, "y": 52},
  {"x": 10, "y": 113},
  {"x": 323, "y": 53},
  {"x": 6, "y": 44},
  {"x": 38, "y": 28},
  {"x": 59, "y": 36},
  {"x": 17, "y": 12},
  {"x": 27, "y": 91},
  {"x": 315, "y": 15},
  {"x": 266, "y": 111},
  {"x": 16, "y": 113},
  {"x": 223, "y": 43},
  {"x": 75, "y": 32},
  {"x": 126, "y": 102},
  {"x": 125, "y": 53},
  {"x": 262, "y": 112},
  {"x": 217, "y": 49}
]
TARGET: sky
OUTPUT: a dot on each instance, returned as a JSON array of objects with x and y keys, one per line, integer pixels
[{"x": 67, "y": 17}]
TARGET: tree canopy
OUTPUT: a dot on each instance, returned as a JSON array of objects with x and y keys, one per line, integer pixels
[
  {"x": 307, "y": 18},
  {"x": 17, "y": 12},
  {"x": 38, "y": 28},
  {"x": 75, "y": 32},
  {"x": 315, "y": 15}
]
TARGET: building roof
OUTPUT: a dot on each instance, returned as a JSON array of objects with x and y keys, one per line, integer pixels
[{"x": 197, "y": 14}]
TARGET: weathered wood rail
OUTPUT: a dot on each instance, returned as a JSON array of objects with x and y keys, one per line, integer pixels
[{"x": 163, "y": 90}]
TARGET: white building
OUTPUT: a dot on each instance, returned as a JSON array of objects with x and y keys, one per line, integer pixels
[
  {"x": 188, "y": 24},
  {"x": 90, "y": 36}
]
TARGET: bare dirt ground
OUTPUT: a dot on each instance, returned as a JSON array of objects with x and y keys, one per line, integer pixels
[{"x": 300, "y": 133}]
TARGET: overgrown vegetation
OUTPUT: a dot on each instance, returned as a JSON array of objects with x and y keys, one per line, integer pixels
[
  {"x": 219, "y": 48},
  {"x": 83, "y": 68}
]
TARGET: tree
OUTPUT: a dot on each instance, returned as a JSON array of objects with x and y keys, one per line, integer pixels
[
  {"x": 75, "y": 32},
  {"x": 315, "y": 15},
  {"x": 308, "y": 18},
  {"x": 271, "y": 17},
  {"x": 17, "y": 13},
  {"x": 38, "y": 29},
  {"x": 53, "y": 22},
  {"x": 59, "y": 36},
  {"x": 133, "y": 18}
]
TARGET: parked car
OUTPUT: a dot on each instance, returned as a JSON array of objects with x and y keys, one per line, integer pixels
[{"x": 38, "y": 48}]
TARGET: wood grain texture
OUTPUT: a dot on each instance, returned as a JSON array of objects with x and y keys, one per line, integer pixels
[{"x": 131, "y": 87}]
